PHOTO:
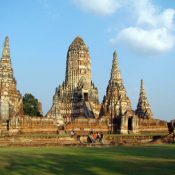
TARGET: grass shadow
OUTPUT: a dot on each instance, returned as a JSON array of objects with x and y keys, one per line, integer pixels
[{"x": 94, "y": 161}]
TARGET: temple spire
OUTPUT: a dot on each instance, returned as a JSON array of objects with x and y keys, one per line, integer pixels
[
  {"x": 116, "y": 102},
  {"x": 6, "y": 69},
  {"x": 115, "y": 54},
  {"x": 143, "y": 108},
  {"x": 10, "y": 97},
  {"x": 6, "y": 50},
  {"x": 142, "y": 87},
  {"x": 115, "y": 72}
]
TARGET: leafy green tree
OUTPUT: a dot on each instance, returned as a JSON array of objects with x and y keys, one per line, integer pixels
[{"x": 31, "y": 105}]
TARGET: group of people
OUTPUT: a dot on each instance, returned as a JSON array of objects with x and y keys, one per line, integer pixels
[
  {"x": 92, "y": 137},
  {"x": 96, "y": 136}
]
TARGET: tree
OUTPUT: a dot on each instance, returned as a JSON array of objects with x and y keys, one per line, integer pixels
[{"x": 31, "y": 105}]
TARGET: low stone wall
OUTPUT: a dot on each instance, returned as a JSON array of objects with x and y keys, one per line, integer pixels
[
  {"x": 57, "y": 140},
  {"x": 36, "y": 141},
  {"x": 37, "y": 130},
  {"x": 140, "y": 139},
  {"x": 84, "y": 126},
  {"x": 152, "y": 126},
  {"x": 37, "y": 125}
]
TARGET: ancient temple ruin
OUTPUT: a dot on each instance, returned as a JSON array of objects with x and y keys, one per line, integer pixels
[
  {"x": 143, "y": 108},
  {"x": 116, "y": 105},
  {"x": 77, "y": 96},
  {"x": 115, "y": 102},
  {"x": 11, "y": 107},
  {"x": 75, "y": 102}
]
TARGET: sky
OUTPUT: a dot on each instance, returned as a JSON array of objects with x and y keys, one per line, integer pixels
[{"x": 142, "y": 32}]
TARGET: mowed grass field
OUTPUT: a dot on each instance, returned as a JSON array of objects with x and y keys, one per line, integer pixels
[{"x": 119, "y": 160}]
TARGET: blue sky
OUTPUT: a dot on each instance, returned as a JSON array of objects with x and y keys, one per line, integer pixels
[{"x": 142, "y": 32}]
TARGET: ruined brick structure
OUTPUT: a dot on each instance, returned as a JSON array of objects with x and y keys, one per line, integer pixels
[
  {"x": 75, "y": 102},
  {"x": 86, "y": 125},
  {"x": 11, "y": 107},
  {"x": 32, "y": 125},
  {"x": 116, "y": 105},
  {"x": 77, "y": 96},
  {"x": 116, "y": 108},
  {"x": 143, "y": 108},
  {"x": 116, "y": 102},
  {"x": 146, "y": 121}
]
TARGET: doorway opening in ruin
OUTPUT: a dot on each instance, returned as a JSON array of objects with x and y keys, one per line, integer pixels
[
  {"x": 115, "y": 125},
  {"x": 85, "y": 96},
  {"x": 130, "y": 124},
  {"x": 7, "y": 125}
]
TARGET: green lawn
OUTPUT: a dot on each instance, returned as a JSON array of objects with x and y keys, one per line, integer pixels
[{"x": 121, "y": 160}]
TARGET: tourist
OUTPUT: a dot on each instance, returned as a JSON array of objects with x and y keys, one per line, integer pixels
[
  {"x": 101, "y": 137},
  {"x": 94, "y": 136},
  {"x": 98, "y": 136},
  {"x": 79, "y": 138},
  {"x": 72, "y": 133},
  {"x": 91, "y": 132}
]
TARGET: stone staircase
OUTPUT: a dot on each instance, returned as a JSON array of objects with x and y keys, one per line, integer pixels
[
  {"x": 37, "y": 141},
  {"x": 88, "y": 110},
  {"x": 77, "y": 140},
  {"x": 164, "y": 139},
  {"x": 3, "y": 130}
]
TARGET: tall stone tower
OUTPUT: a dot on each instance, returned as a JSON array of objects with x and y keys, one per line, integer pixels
[
  {"x": 116, "y": 105},
  {"x": 116, "y": 102},
  {"x": 143, "y": 108},
  {"x": 10, "y": 99},
  {"x": 78, "y": 64},
  {"x": 77, "y": 96}
]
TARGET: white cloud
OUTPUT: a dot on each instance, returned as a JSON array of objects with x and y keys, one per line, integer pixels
[
  {"x": 148, "y": 42},
  {"x": 145, "y": 12},
  {"x": 149, "y": 14},
  {"x": 98, "y": 7},
  {"x": 167, "y": 17},
  {"x": 152, "y": 33}
]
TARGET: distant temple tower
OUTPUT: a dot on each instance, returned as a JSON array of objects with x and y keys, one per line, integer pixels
[
  {"x": 77, "y": 96},
  {"x": 10, "y": 99},
  {"x": 143, "y": 108},
  {"x": 116, "y": 105}
]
